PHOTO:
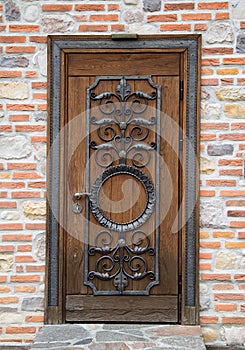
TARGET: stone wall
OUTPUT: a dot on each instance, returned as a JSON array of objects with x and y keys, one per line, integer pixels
[{"x": 24, "y": 26}]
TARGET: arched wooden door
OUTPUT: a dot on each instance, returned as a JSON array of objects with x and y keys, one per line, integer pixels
[{"x": 121, "y": 185}]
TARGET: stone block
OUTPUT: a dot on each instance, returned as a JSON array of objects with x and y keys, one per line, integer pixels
[
  {"x": 235, "y": 110},
  {"x": 205, "y": 300},
  {"x": 220, "y": 150},
  {"x": 220, "y": 32},
  {"x": 6, "y": 262},
  {"x": 133, "y": 16},
  {"x": 206, "y": 166},
  {"x": 142, "y": 29},
  {"x": 225, "y": 260},
  {"x": 231, "y": 94},
  {"x": 14, "y": 62},
  {"x": 32, "y": 304},
  {"x": 14, "y": 147},
  {"x": 152, "y": 5},
  {"x": 130, "y": 2},
  {"x": 40, "y": 116},
  {"x": 31, "y": 13},
  {"x": 240, "y": 43},
  {"x": 205, "y": 95},
  {"x": 10, "y": 215},
  {"x": 238, "y": 9},
  {"x": 213, "y": 213},
  {"x": 209, "y": 334},
  {"x": 210, "y": 110},
  {"x": 12, "y": 11},
  {"x": 34, "y": 210},
  {"x": 234, "y": 335},
  {"x": 14, "y": 90},
  {"x": 39, "y": 246},
  {"x": 62, "y": 333},
  {"x": 15, "y": 317},
  {"x": 40, "y": 59},
  {"x": 57, "y": 24}
]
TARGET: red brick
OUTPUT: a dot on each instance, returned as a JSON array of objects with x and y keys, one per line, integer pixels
[
  {"x": 36, "y": 184},
  {"x": 223, "y": 234},
  {"x": 25, "y": 278},
  {"x": 26, "y": 175},
  {"x": 242, "y": 24},
  {"x": 179, "y": 6},
  {"x": 8, "y": 205},
  {"x": 12, "y": 184},
  {"x": 40, "y": 95},
  {"x": 212, "y": 5},
  {"x": 89, "y": 7},
  {"x": 34, "y": 318},
  {"x": 234, "y": 245},
  {"x": 24, "y": 248},
  {"x": 205, "y": 266},
  {"x": 6, "y": 248},
  {"x": 113, "y": 7},
  {"x": 230, "y": 162},
  {"x": 215, "y": 277},
  {"x": 39, "y": 85},
  {"x": 215, "y": 126},
  {"x": 239, "y": 277},
  {"x": 3, "y": 194},
  {"x": 3, "y": 279},
  {"x": 11, "y": 227},
  {"x": 208, "y": 137},
  {"x": 29, "y": 128},
  {"x": 20, "y": 107},
  {"x": 241, "y": 81},
  {"x": 234, "y": 137},
  {"x": 35, "y": 268},
  {"x": 233, "y": 320},
  {"x": 222, "y": 15},
  {"x": 20, "y": 330},
  {"x": 218, "y": 51},
  {"x": 93, "y": 28},
  {"x": 31, "y": 74},
  {"x": 25, "y": 166},
  {"x": 229, "y": 296},
  {"x": 207, "y": 193},
  {"x": 212, "y": 245},
  {"x": 225, "y": 307},
  {"x": 24, "y": 289},
  {"x": 200, "y": 27},
  {"x": 241, "y": 235},
  {"x": 9, "y": 300},
  {"x": 234, "y": 60},
  {"x": 221, "y": 182},
  {"x": 117, "y": 28},
  {"x": 223, "y": 286},
  {"x": 162, "y": 18},
  {"x": 39, "y": 226},
  {"x": 208, "y": 319},
  {"x": 28, "y": 28},
  {"x": 103, "y": 18},
  {"x": 196, "y": 16},
  {"x": 42, "y": 107},
  {"x": 24, "y": 259},
  {"x": 12, "y": 39},
  {"x": 230, "y": 172},
  {"x": 20, "y": 49},
  {"x": 209, "y": 82},
  {"x": 10, "y": 74},
  {"x": 236, "y": 213},
  {"x": 207, "y": 71},
  {"x": 19, "y": 118},
  {"x": 5, "y": 128},
  {"x": 26, "y": 194},
  {"x": 210, "y": 62},
  {"x": 38, "y": 39},
  {"x": 237, "y": 126},
  {"x": 38, "y": 139},
  {"x": 232, "y": 193},
  {"x": 57, "y": 7},
  {"x": 175, "y": 27},
  {"x": 205, "y": 255}
]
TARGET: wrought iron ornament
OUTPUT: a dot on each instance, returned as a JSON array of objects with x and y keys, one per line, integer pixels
[{"x": 122, "y": 130}]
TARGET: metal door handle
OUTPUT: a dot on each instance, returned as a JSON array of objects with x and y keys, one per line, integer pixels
[{"x": 79, "y": 195}]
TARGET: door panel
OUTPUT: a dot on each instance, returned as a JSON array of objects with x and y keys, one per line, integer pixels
[{"x": 122, "y": 251}]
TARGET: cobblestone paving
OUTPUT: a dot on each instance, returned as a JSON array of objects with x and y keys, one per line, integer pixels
[{"x": 118, "y": 337}]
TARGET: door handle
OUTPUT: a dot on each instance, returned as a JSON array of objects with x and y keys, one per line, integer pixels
[{"x": 77, "y": 207}]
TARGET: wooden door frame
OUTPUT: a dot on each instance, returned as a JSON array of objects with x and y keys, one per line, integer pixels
[{"x": 190, "y": 48}]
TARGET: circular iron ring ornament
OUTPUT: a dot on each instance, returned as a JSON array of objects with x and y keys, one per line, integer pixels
[{"x": 150, "y": 198}]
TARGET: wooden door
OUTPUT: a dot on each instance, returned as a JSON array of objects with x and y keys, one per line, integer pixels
[{"x": 122, "y": 186}]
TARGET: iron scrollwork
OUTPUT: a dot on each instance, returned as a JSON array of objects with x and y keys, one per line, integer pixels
[{"x": 123, "y": 126}]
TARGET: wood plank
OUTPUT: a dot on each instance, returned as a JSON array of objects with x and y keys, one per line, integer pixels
[
  {"x": 115, "y": 64},
  {"x": 130, "y": 309}
]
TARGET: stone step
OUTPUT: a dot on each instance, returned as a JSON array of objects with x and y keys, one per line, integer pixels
[{"x": 118, "y": 337}]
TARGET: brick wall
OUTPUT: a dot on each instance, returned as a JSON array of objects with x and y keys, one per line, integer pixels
[{"x": 24, "y": 26}]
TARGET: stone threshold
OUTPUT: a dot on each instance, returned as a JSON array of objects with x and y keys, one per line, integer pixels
[{"x": 118, "y": 337}]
